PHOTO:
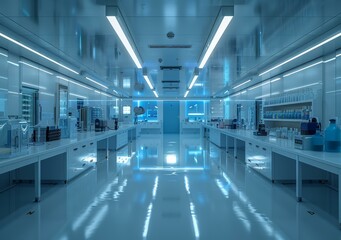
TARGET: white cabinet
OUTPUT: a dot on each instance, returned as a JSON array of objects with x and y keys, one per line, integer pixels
[
  {"x": 80, "y": 157},
  {"x": 259, "y": 158},
  {"x": 190, "y": 127},
  {"x": 121, "y": 139},
  {"x": 217, "y": 138}
]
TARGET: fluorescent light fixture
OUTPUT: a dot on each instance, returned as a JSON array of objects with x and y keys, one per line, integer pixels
[
  {"x": 16, "y": 93},
  {"x": 334, "y": 91},
  {"x": 224, "y": 18},
  {"x": 77, "y": 95},
  {"x": 227, "y": 91},
  {"x": 68, "y": 80},
  {"x": 243, "y": 83},
  {"x": 146, "y": 77},
  {"x": 302, "y": 53},
  {"x": 148, "y": 81},
  {"x": 275, "y": 80},
  {"x": 36, "y": 52},
  {"x": 304, "y": 86},
  {"x": 105, "y": 94},
  {"x": 259, "y": 85},
  {"x": 47, "y": 94},
  {"x": 234, "y": 95},
  {"x": 155, "y": 93},
  {"x": 301, "y": 69},
  {"x": 329, "y": 60},
  {"x": 117, "y": 22},
  {"x": 32, "y": 66},
  {"x": 33, "y": 85},
  {"x": 195, "y": 77},
  {"x": 268, "y": 95},
  {"x": 186, "y": 93},
  {"x": 3, "y": 54},
  {"x": 91, "y": 80},
  {"x": 13, "y": 63}
]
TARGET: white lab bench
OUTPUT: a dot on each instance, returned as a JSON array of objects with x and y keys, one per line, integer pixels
[
  {"x": 277, "y": 159},
  {"x": 70, "y": 156}
]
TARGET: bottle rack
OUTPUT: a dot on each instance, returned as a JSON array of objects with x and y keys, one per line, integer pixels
[
  {"x": 27, "y": 107},
  {"x": 290, "y": 111}
]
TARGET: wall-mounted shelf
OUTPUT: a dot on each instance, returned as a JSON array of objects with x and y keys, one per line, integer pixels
[
  {"x": 288, "y": 111},
  {"x": 304, "y": 103},
  {"x": 284, "y": 120}
]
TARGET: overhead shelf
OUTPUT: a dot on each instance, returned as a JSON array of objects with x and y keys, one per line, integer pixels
[
  {"x": 289, "y": 104},
  {"x": 284, "y": 120}
]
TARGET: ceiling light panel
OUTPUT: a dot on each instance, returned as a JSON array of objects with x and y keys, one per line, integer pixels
[
  {"x": 36, "y": 52},
  {"x": 223, "y": 20},
  {"x": 117, "y": 22}
]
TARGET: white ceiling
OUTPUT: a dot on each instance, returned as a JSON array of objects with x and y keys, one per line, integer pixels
[{"x": 78, "y": 32}]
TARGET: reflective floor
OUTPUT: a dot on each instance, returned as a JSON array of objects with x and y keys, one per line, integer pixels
[{"x": 169, "y": 187}]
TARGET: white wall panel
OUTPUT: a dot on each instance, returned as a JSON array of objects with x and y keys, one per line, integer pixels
[{"x": 13, "y": 86}]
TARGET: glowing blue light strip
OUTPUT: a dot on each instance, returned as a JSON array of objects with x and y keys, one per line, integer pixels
[
  {"x": 302, "y": 53},
  {"x": 36, "y": 52}
]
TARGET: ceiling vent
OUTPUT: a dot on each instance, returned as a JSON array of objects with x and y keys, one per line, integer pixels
[
  {"x": 170, "y": 46},
  {"x": 170, "y": 68}
]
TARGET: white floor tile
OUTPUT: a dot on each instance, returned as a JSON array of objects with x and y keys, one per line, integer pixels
[{"x": 172, "y": 187}]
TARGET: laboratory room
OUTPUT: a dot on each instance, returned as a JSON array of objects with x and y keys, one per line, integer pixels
[{"x": 170, "y": 119}]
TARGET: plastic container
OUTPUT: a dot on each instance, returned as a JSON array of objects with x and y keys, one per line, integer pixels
[
  {"x": 332, "y": 137},
  {"x": 317, "y": 141}
]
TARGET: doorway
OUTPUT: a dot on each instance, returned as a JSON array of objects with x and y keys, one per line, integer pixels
[{"x": 171, "y": 120}]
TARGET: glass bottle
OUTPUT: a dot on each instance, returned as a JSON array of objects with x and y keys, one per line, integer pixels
[
  {"x": 317, "y": 140},
  {"x": 332, "y": 137}
]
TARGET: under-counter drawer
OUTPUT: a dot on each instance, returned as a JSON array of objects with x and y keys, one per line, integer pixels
[
  {"x": 81, "y": 157},
  {"x": 218, "y": 138},
  {"x": 259, "y": 158}
]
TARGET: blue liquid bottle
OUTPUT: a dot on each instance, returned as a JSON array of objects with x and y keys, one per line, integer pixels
[
  {"x": 332, "y": 137},
  {"x": 317, "y": 140}
]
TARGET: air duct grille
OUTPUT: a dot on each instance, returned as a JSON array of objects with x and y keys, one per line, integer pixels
[{"x": 170, "y": 46}]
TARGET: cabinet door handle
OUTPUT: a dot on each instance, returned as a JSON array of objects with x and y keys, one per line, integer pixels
[
  {"x": 83, "y": 146},
  {"x": 75, "y": 149},
  {"x": 83, "y": 165},
  {"x": 249, "y": 160},
  {"x": 264, "y": 149},
  {"x": 250, "y": 143},
  {"x": 91, "y": 160},
  {"x": 257, "y": 146},
  {"x": 257, "y": 165},
  {"x": 91, "y": 143}
]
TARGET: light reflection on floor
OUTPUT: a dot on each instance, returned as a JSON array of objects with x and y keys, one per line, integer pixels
[{"x": 199, "y": 192}]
